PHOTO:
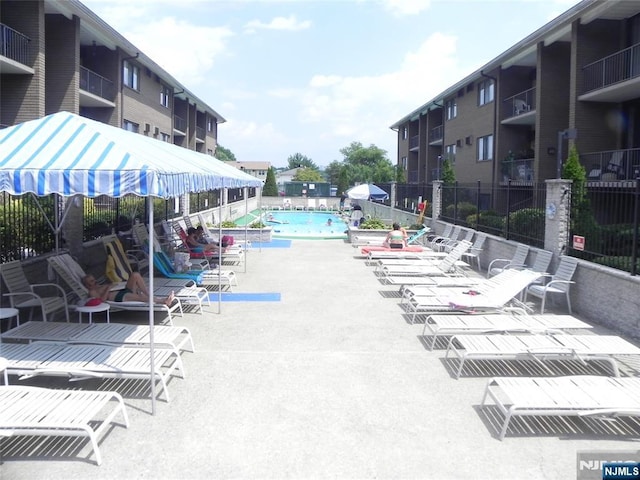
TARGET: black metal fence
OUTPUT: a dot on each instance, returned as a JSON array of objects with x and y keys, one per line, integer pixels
[
  {"x": 514, "y": 211},
  {"x": 604, "y": 226}
]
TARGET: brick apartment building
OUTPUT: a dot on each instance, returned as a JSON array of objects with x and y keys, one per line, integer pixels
[
  {"x": 59, "y": 56},
  {"x": 575, "y": 80}
]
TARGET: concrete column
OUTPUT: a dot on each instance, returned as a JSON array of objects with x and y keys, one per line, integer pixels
[
  {"x": 436, "y": 202},
  {"x": 185, "y": 208},
  {"x": 557, "y": 216}
]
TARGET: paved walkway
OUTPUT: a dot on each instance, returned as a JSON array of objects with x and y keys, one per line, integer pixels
[{"x": 330, "y": 382}]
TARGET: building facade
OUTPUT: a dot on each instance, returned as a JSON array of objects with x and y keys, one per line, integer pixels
[
  {"x": 575, "y": 81},
  {"x": 59, "y": 56}
]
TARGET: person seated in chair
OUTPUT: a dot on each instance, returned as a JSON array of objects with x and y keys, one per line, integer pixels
[
  {"x": 396, "y": 238},
  {"x": 195, "y": 242},
  {"x": 135, "y": 291}
]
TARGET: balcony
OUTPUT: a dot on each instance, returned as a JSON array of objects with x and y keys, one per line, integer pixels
[
  {"x": 612, "y": 165},
  {"x": 14, "y": 52},
  {"x": 436, "y": 135},
  {"x": 95, "y": 90},
  {"x": 413, "y": 176},
  {"x": 414, "y": 143},
  {"x": 518, "y": 170},
  {"x": 520, "y": 109},
  {"x": 615, "y": 78},
  {"x": 200, "y": 134},
  {"x": 179, "y": 125}
]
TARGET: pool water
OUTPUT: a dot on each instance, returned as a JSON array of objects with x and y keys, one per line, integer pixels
[{"x": 305, "y": 225}]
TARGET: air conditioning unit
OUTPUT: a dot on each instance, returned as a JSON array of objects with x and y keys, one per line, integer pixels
[
  {"x": 156, "y": 130},
  {"x": 469, "y": 140},
  {"x": 459, "y": 143},
  {"x": 461, "y": 93},
  {"x": 147, "y": 128}
]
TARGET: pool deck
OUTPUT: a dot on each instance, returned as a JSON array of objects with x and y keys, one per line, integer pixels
[{"x": 330, "y": 382}]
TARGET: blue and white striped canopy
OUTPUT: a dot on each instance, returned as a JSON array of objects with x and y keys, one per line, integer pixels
[{"x": 67, "y": 154}]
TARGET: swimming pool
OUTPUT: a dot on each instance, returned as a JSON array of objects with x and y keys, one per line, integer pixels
[{"x": 305, "y": 225}]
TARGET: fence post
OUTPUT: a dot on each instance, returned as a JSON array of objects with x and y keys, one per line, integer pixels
[
  {"x": 557, "y": 216},
  {"x": 634, "y": 245},
  {"x": 436, "y": 202},
  {"x": 392, "y": 200}
]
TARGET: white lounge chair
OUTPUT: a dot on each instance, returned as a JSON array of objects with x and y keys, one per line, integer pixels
[
  {"x": 559, "y": 283},
  {"x": 176, "y": 338},
  {"x": 92, "y": 361},
  {"x": 495, "y": 297},
  {"x": 582, "y": 396},
  {"x": 22, "y": 294},
  {"x": 473, "y": 254},
  {"x": 519, "y": 260},
  {"x": 71, "y": 273},
  {"x": 447, "y": 265},
  {"x": 439, "y": 325},
  {"x": 62, "y": 413},
  {"x": 540, "y": 347}
]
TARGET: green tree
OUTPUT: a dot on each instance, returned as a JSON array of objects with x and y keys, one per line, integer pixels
[
  {"x": 270, "y": 187},
  {"x": 308, "y": 175},
  {"x": 333, "y": 171},
  {"x": 224, "y": 154},
  {"x": 367, "y": 164},
  {"x": 298, "y": 160},
  {"x": 400, "y": 174},
  {"x": 583, "y": 222},
  {"x": 448, "y": 184},
  {"x": 343, "y": 181}
]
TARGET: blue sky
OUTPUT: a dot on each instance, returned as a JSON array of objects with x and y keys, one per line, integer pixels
[{"x": 312, "y": 76}]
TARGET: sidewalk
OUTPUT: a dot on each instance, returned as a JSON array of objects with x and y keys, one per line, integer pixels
[{"x": 330, "y": 382}]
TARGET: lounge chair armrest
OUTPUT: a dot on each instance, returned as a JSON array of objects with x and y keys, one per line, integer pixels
[
  {"x": 558, "y": 282},
  {"x": 498, "y": 263},
  {"x": 55, "y": 286},
  {"x": 514, "y": 266}
]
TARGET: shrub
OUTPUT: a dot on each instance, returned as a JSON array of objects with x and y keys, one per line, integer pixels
[
  {"x": 526, "y": 224},
  {"x": 464, "y": 210},
  {"x": 373, "y": 224},
  {"x": 257, "y": 224},
  {"x": 489, "y": 221}
]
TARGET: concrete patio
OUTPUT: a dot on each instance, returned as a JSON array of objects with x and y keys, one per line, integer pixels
[{"x": 330, "y": 382}]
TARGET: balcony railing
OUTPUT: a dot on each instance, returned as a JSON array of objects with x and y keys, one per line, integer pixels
[
  {"x": 14, "y": 45},
  {"x": 414, "y": 142},
  {"x": 179, "y": 123},
  {"x": 612, "y": 165},
  {"x": 615, "y": 68},
  {"x": 520, "y": 170},
  {"x": 200, "y": 133},
  {"x": 436, "y": 134},
  {"x": 98, "y": 85},
  {"x": 413, "y": 176},
  {"x": 520, "y": 103}
]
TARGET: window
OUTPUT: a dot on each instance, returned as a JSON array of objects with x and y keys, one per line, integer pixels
[
  {"x": 130, "y": 126},
  {"x": 403, "y": 163},
  {"x": 131, "y": 75},
  {"x": 165, "y": 137},
  {"x": 452, "y": 109},
  {"x": 485, "y": 148},
  {"x": 450, "y": 153},
  {"x": 209, "y": 124},
  {"x": 405, "y": 133},
  {"x": 486, "y": 92},
  {"x": 165, "y": 95}
]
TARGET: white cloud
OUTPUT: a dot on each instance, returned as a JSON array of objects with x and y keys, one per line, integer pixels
[
  {"x": 406, "y": 7},
  {"x": 358, "y": 107},
  {"x": 192, "y": 58},
  {"x": 289, "y": 23}
]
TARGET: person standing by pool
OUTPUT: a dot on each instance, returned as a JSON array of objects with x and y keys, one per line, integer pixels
[
  {"x": 396, "y": 238},
  {"x": 343, "y": 197}
]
